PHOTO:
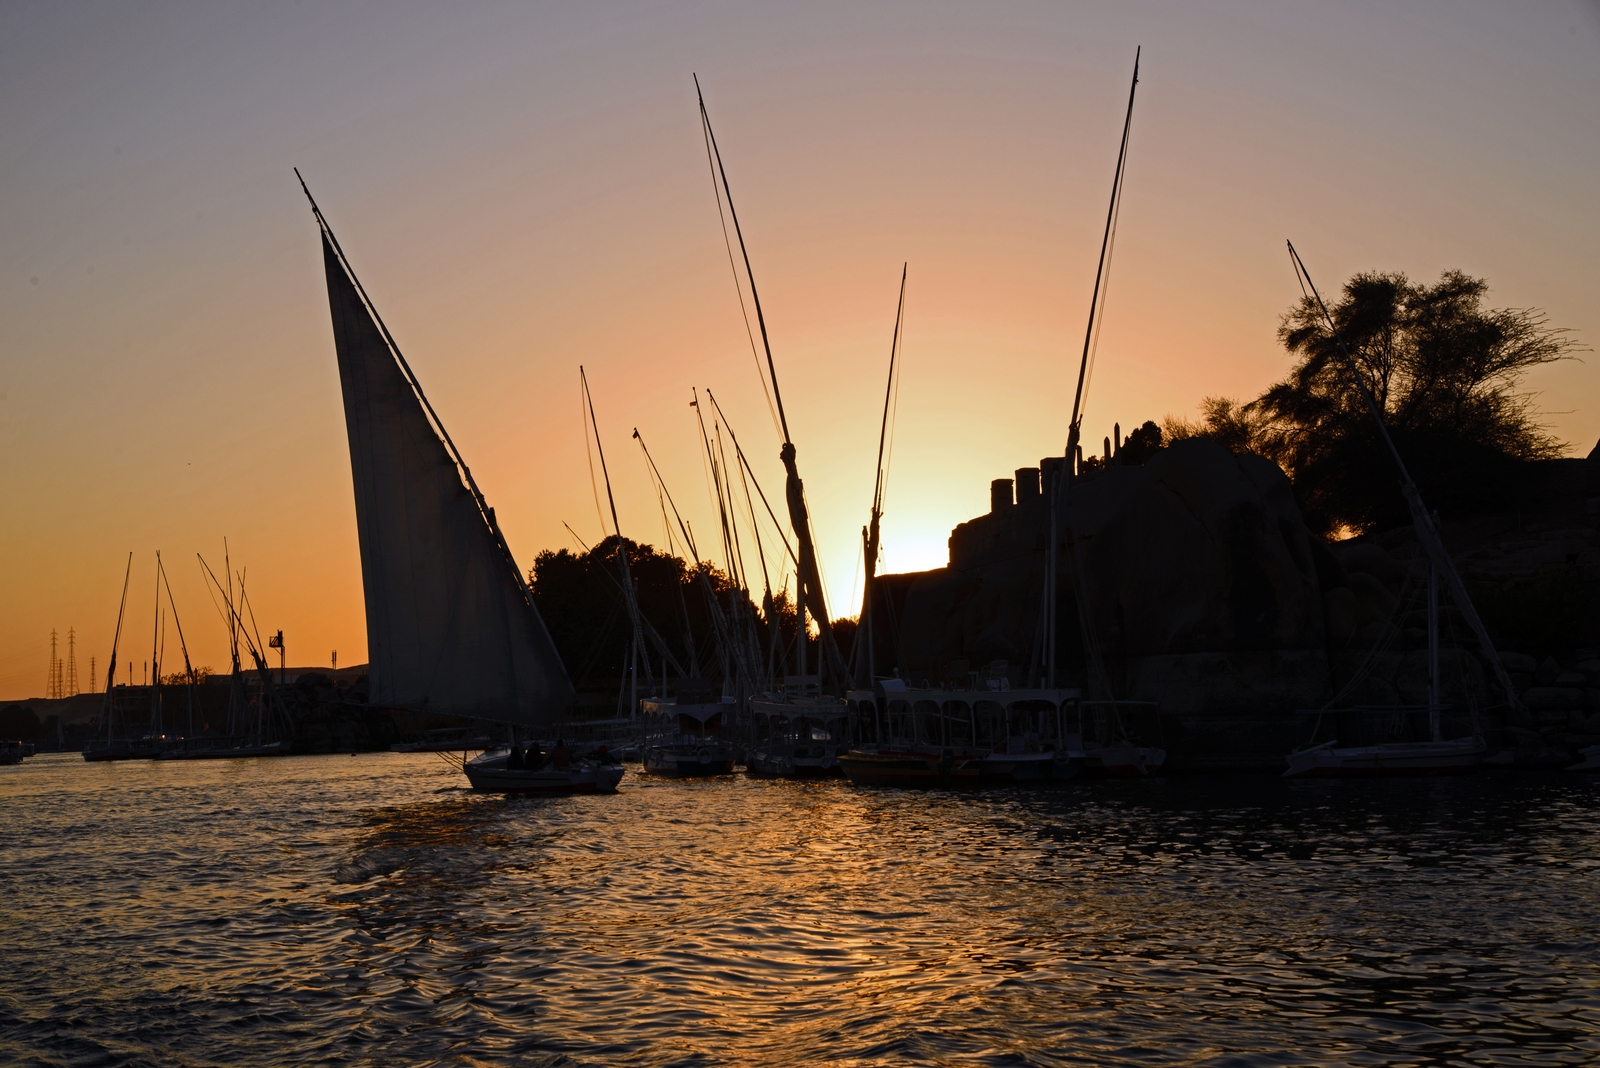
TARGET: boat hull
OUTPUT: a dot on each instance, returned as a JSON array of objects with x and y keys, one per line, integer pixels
[
  {"x": 582, "y": 778},
  {"x": 1590, "y": 761},
  {"x": 1028, "y": 769},
  {"x": 938, "y": 769},
  {"x": 237, "y": 752},
  {"x": 817, "y": 763},
  {"x": 686, "y": 768},
  {"x": 1122, "y": 762},
  {"x": 1458, "y": 757},
  {"x": 120, "y": 752}
]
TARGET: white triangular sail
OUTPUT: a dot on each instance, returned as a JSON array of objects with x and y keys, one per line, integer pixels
[{"x": 451, "y": 626}]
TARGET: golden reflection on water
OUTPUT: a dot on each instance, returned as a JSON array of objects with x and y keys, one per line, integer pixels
[{"x": 368, "y": 910}]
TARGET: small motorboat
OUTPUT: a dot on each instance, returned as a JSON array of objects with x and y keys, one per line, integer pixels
[
  {"x": 1590, "y": 761},
  {"x": 497, "y": 772}
]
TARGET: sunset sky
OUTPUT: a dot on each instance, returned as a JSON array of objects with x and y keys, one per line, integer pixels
[{"x": 523, "y": 188}]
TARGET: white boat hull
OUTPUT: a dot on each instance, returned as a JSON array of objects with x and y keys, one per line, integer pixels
[{"x": 1395, "y": 758}]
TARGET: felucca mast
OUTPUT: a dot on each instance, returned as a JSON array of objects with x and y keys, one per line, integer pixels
[
  {"x": 869, "y": 534},
  {"x": 1064, "y": 478},
  {"x": 107, "y": 705},
  {"x": 622, "y": 554},
  {"x": 188, "y": 668},
  {"x": 155, "y": 657},
  {"x": 1427, "y": 531},
  {"x": 809, "y": 582}
]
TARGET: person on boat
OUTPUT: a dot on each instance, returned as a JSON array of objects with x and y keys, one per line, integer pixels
[
  {"x": 515, "y": 761},
  {"x": 535, "y": 757},
  {"x": 560, "y": 756}
]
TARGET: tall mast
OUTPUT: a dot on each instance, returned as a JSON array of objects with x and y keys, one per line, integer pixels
[
  {"x": 622, "y": 546},
  {"x": 107, "y": 704},
  {"x": 809, "y": 582},
  {"x": 688, "y": 628},
  {"x": 155, "y": 657},
  {"x": 1064, "y": 479},
  {"x": 1439, "y": 560},
  {"x": 188, "y": 668},
  {"x": 870, "y": 535}
]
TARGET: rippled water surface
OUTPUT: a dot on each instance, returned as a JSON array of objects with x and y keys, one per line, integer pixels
[{"x": 368, "y": 910}]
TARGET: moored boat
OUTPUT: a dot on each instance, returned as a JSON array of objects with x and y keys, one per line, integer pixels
[
  {"x": 1450, "y": 757},
  {"x": 1590, "y": 761},
  {"x": 685, "y": 740},
  {"x": 495, "y": 771},
  {"x": 913, "y": 766},
  {"x": 1436, "y": 754},
  {"x": 798, "y": 736}
]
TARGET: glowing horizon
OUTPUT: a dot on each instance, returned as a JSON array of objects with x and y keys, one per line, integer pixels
[{"x": 524, "y": 191}]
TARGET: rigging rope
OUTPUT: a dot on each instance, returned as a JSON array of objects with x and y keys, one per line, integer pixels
[
  {"x": 583, "y": 414},
  {"x": 738, "y": 287}
]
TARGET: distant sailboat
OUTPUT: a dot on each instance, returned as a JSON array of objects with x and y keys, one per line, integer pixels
[
  {"x": 1437, "y": 755},
  {"x": 451, "y": 623},
  {"x": 114, "y": 746}
]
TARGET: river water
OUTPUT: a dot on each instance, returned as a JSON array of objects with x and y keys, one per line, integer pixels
[{"x": 368, "y": 910}]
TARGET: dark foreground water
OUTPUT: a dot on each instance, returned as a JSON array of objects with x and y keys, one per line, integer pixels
[{"x": 367, "y": 910}]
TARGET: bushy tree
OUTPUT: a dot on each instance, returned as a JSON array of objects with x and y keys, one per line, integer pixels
[
  {"x": 1445, "y": 372},
  {"x": 579, "y": 596},
  {"x": 1230, "y": 423}
]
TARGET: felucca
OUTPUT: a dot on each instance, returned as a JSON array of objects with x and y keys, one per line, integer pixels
[
  {"x": 111, "y": 746},
  {"x": 451, "y": 623},
  {"x": 1436, "y": 755}
]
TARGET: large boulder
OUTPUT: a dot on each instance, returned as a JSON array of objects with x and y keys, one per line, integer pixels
[
  {"x": 1201, "y": 583},
  {"x": 1208, "y": 553}
]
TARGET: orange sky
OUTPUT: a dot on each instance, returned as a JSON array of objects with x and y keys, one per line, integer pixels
[{"x": 523, "y": 190}]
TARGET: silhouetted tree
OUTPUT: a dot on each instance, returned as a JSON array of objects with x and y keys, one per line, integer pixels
[
  {"x": 1233, "y": 425},
  {"x": 579, "y": 596},
  {"x": 1444, "y": 371},
  {"x": 1140, "y": 445},
  {"x": 19, "y": 722}
]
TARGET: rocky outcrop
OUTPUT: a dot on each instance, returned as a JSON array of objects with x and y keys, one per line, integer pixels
[
  {"x": 1207, "y": 594},
  {"x": 1197, "y": 576}
]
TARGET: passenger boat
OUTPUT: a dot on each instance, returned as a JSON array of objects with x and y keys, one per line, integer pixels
[
  {"x": 684, "y": 739},
  {"x": 978, "y": 736},
  {"x": 797, "y": 737}
]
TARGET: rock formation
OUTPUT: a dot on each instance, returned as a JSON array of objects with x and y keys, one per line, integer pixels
[{"x": 1208, "y": 596}]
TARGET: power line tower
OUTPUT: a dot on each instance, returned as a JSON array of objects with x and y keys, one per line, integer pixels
[
  {"x": 52, "y": 682},
  {"x": 92, "y": 686},
  {"x": 71, "y": 687}
]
